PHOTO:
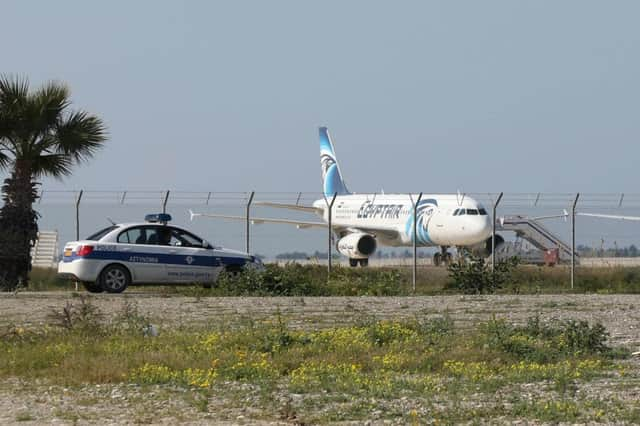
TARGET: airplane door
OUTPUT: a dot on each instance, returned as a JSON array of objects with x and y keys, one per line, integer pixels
[{"x": 436, "y": 227}]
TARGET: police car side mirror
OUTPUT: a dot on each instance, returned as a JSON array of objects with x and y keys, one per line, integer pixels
[{"x": 205, "y": 244}]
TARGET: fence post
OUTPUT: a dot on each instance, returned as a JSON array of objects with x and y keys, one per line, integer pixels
[
  {"x": 493, "y": 232},
  {"x": 248, "y": 220},
  {"x": 78, "y": 199},
  {"x": 329, "y": 219},
  {"x": 415, "y": 237},
  {"x": 573, "y": 239},
  {"x": 164, "y": 202}
]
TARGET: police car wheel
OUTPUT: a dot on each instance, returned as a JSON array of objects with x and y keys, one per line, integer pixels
[
  {"x": 93, "y": 287},
  {"x": 114, "y": 279}
]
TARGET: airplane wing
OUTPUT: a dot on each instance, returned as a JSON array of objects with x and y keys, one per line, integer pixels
[
  {"x": 289, "y": 207},
  {"x": 610, "y": 216},
  {"x": 387, "y": 234},
  {"x": 259, "y": 220}
]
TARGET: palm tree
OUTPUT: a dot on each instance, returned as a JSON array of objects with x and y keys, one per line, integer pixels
[{"x": 39, "y": 136}]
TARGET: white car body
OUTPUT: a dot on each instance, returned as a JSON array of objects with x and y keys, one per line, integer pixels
[{"x": 186, "y": 258}]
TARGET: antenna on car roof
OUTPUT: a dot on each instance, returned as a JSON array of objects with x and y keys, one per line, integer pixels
[{"x": 111, "y": 221}]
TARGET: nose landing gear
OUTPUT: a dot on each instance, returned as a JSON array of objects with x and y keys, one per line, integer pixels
[{"x": 442, "y": 258}]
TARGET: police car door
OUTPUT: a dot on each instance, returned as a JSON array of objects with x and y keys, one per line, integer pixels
[
  {"x": 138, "y": 247},
  {"x": 193, "y": 259}
]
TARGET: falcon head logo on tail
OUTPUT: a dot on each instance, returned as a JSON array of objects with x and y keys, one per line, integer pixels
[{"x": 332, "y": 181}]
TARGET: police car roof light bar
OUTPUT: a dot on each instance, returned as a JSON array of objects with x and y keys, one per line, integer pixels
[{"x": 158, "y": 218}]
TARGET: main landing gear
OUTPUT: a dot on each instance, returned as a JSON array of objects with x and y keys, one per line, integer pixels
[
  {"x": 354, "y": 262},
  {"x": 442, "y": 258}
]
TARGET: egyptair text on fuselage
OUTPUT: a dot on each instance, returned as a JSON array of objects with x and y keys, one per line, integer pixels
[{"x": 368, "y": 210}]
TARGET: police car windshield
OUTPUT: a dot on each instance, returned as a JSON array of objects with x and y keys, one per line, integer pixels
[{"x": 100, "y": 234}]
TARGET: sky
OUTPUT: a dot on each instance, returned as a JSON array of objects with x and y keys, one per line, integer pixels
[
  {"x": 419, "y": 96},
  {"x": 433, "y": 96}
]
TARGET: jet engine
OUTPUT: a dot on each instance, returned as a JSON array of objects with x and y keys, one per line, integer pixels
[
  {"x": 484, "y": 249},
  {"x": 357, "y": 245}
]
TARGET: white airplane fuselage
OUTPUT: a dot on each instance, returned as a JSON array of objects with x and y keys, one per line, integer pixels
[
  {"x": 448, "y": 220},
  {"x": 362, "y": 222}
]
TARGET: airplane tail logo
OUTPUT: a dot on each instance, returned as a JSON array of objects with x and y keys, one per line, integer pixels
[{"x": 331, "y": 177}]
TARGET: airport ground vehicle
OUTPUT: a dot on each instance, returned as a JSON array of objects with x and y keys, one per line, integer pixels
[{"x": 149, "y": 252}]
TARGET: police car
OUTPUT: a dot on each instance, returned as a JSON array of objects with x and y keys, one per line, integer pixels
[{"x": 149, "y": 252}]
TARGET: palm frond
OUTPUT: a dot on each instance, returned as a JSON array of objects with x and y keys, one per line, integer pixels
[
  {"x": 55, "y": 165},
  {"x": 13, "y": 90},
  {"x": 80, "y": 136},
  {"x": 13, "y": 98},
  {"x": 5, "y": 125},
  {"x": 5, "y": 160},
  {"x": 45, "y": 106}
]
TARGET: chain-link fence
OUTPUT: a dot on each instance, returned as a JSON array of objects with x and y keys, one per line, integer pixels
[{"x": 599, "y": 241}]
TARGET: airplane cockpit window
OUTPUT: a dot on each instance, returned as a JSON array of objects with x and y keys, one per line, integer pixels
[{"x": 474, "y": 212}]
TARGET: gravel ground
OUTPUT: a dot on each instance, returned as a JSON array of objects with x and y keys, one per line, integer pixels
[
  {"x": 36, "y": 403},
  {"x": 620, "y": 314}
]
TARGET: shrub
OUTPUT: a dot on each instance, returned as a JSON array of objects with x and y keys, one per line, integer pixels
[
  {"x": 547, "y": 342},
  {"x": 289, "y": 280},
  {"x": 84, "y": 317},
  {"x": 297, "y": 280},
  {"x": 474, "y": 275}
]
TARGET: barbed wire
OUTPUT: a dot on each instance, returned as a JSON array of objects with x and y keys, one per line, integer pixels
[{"x": 530, "y": 200}]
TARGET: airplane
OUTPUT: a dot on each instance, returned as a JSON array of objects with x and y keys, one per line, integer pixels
[{"x": 363, "y": 221}]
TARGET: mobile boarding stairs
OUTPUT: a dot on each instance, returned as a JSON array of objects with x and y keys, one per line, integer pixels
[
  {"x": 532, "y": 231},
  {"x": 44, "y": 253}
]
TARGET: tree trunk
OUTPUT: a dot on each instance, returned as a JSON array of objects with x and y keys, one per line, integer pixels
[{"x": 18, "y": 227}]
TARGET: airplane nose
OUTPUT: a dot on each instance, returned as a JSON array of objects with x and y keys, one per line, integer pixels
[
  {"x": 487, "y": 228},
  {"x": 480, "y": 229}
]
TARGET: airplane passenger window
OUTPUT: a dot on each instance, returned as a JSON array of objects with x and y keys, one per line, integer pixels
[{"x": 472, "y": 212}]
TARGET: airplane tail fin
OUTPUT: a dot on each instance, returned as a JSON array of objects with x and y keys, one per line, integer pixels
[{"x": 332, "y": 181}]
